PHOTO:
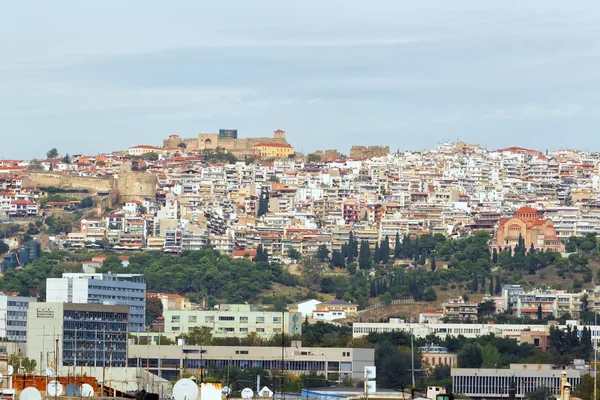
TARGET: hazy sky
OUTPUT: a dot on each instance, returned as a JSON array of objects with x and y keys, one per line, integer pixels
[{"x": 90, "y": 77}]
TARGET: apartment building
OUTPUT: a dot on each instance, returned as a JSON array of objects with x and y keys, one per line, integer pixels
[{"x": 233, "y": 320}]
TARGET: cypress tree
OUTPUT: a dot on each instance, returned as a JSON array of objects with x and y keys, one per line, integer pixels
[
  {"x": 495, "y": 256},
  {"x": 498, "y": 285},
  {"x": 263, "y": 202},
  {"x": 397, "y": 247},
  {"x": 539, "y": 312},
  {"x": 350, "y": 248},
  {"x": 384, "y": 250},
  {"x": 377, "y": 254},
  {"x": 531, "y": 249},
  {"x": 433, "y": 264},
  {"x": 364, "y": 255},
  {"x": 491, "y": 285},
  {"x": 475, "y": 284}
]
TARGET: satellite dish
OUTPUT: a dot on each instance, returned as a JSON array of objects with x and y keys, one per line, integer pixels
[
  {"x": 72, "y": 390},
  {"x": 49, "y": 371},
  {"x": 247, "y": 393},
  {"x": 87, "y": 390},
  {"x": 11, "y": 370},
  {"x": 30, "y": 393},
  {"x": 185, "y": 389},
  {"x": 54, "y": 388},
  {"x": 226, "y": 390}
]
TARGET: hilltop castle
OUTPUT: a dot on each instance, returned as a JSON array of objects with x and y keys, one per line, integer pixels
[{"x": 228, "y": 140}]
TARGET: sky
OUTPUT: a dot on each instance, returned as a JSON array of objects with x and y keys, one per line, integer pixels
[{"x": 91, "y": 77}]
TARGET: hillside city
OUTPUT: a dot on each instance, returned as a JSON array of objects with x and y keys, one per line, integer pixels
[{"x": 226, "y": 258}]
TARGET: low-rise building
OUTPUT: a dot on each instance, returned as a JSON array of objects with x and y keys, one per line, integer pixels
[
  {"x": 304, "y": 307},
  {"x": 433, "y": 356},
  {"x": 487, "y": 383},
  {"x": 340, "y": 364}
]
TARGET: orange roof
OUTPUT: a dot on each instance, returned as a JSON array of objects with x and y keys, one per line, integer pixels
[{"x": 526, "y": 210}]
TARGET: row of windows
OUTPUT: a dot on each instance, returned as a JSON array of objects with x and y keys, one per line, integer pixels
[
  {"x": 501, "y": 384},
  {"x": 211, "y": 319}
]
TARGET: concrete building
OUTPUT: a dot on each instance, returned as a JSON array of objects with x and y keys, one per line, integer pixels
[
  {"x": 13, "y": 317},
  {"x": 233, "y": 320},
  {"x": 111, "y": 289},
  {"x": 433, "y": 356},
  {"x": 170, "y": 360},
  {"x": 84, "y": 334},
  {"x": 304, "y": 307},
  {"x": 486, "y": 383}
]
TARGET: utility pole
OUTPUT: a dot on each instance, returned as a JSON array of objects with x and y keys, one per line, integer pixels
[
  {"x": 595, "y": 355},
  {"x": 56, "y": 366},
  {"x": 412, "y": 356}
]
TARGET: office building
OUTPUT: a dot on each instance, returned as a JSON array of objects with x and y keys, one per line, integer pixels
[
  {"x": 233, "y": 320},
  {"x": 335, "y": 363},
  {"x": 112, "y": 289},
  {"x": 13, "y": 317},
  {"x": 486, "y": 383},
  {"x": 84, "y": 334}
]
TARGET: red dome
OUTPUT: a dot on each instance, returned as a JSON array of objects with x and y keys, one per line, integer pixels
[{"x": 526, "y": 210}]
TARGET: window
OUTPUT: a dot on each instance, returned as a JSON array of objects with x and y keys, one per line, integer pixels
[
  {"x": 260, "y": 330},
  {"x": 243, "y": 330},
  {"x": 243, "y": 320},
  {"x": 276, "y": 319},
  {"x": 175, "y": 318},
  {"x": 226, "y": 318},
  {"x": 241, "y": 352},
  {"x": 276, "y": 330},
  {"x": 260, "y": 320},
  {"x": 192, "y": 318},
  {"x": 230, "y": 330},
  {"x": 209, "y": 318},
  {"x": 175, "y": 328}
]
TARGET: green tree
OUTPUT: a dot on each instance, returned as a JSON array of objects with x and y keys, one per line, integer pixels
[
  {"x": 433, "y": 263},
  {"x": 294, "y": 254},
  {"x": 539, "y": 312},
  {"x": 384, "y": 250},
  {"x": 364, "y": 256},
  {"x": 263, "y": 202},
  {"x": 386, "y": 298},
  {"x": 87, "y": 202},
  {"x": 491, "y": 356},
  {"x": 313, "y": 158},
  {"x": 491, "y": 285},
  {"x": 198, "y": 336},
  {"x": 3, "y": 247},
  {"x": 470, "y": 356},
  {"x": 312, "y": 270},
  {"x": 397, "y": 247},
  {"x": 475, "y": 286},
  {"x": 322, "y": 253},
  {"x": 154, "y": 309},
  {"x": 182, "y": 145},
  {"x": 376, "y": 254},
  {"x": 52, "y": 153}
]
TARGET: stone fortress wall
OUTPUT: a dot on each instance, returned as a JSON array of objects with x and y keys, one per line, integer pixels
[
  {"x": 238, "y": 146},
  {"x": 127, "y": 187},
  {"x": 369, "y": 151}
]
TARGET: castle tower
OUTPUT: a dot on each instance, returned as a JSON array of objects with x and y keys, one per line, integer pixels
[{"x": 279, "y": 134}]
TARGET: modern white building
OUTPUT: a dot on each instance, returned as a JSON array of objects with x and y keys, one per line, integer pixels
[
  {"x": 304, "y": 307},
  {"x": 13, "y": 317},
  {"x": 111, "y": 289},
  {"x": 232, "y": 320},
  {"x": 335, "y": 363},
  {"x": 487, "y": 383}
]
